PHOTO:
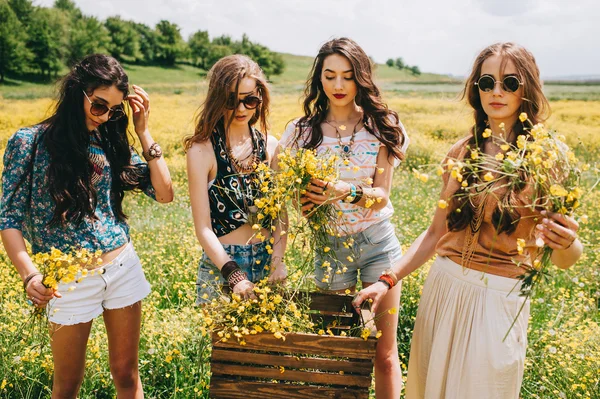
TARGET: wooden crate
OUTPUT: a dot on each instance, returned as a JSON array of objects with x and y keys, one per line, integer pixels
[{"x": 303, "y": 366}]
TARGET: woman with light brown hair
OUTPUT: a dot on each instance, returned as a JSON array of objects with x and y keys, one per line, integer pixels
[
  {"x": 471, "y": 295},
  {"x": 222, "y": 155}
]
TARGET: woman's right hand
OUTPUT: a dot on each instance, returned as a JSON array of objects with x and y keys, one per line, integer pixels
[
  {"x": 244, "y": 289},
  {"x": 375, "y": 292},
  {"x": 38, "y": 293}
]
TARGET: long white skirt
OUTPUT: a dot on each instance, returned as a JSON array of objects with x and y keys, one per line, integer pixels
[{"x": 457, "y": 350}]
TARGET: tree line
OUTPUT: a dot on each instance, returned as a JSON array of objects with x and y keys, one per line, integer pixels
[
  {"x": 400, "y": 64},
  {"x": 42, "y": 40}
]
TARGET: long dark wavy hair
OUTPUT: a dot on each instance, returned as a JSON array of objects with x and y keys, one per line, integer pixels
[
  {"x": 67, "y": 140},
  {"x": 505, "y": 217},
  {"x": 378, "y": 119}
]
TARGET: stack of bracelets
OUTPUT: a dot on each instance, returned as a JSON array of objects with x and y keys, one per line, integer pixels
[
  {"x": 389, "y": 278},
  {"x": 232, "y": 273},
  {"x": 356, "y": 193}
]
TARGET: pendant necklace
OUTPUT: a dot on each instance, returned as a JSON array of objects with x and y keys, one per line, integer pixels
[{"x": 346, "y": 149}]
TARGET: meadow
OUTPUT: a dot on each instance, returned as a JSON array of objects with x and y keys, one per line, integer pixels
[{"x": 563, "y": 359}]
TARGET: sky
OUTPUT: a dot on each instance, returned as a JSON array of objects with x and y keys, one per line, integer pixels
[{"x": 440, "y": 36}]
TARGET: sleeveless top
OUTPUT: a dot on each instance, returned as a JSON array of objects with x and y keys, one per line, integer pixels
[{"x": 231, "y": 193}]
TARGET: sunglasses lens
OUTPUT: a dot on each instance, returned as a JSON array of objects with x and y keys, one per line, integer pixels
[
  {"x": 117, "y": 114},
  {"x": 251, "y": 102},
  {"x": 511, "y": 84},
  {"x": 230, "y": 104},
  {"x": 98, "y": 109},
  {"x": 486, "y": 83}
]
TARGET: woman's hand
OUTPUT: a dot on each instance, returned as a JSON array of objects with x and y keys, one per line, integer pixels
[
  {"x": 557, "y": 231},
  {"x": 38, "y": 294},
  {"x": 375, "y": 291},
  {"x": 322, "y": 192},
  {"x": 279, "y": 273},
  {"x": 244, "y": 289},
  {"x": 140, "y": 104}
]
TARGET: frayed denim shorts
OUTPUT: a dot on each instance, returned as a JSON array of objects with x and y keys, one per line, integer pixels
[
  {"x": 253, "y": 259},
  {"x": 373, "y": 251},
  {"x": 115, "y": 285}
]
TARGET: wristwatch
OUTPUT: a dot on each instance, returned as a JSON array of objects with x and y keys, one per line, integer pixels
[{"x": 153, "y": 152}]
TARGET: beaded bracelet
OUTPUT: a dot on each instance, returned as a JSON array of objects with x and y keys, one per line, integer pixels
[
  {"x": 350, "y": 197},
  {"x": 236, "y": 277},
  {"x": 358, "y": 196}
]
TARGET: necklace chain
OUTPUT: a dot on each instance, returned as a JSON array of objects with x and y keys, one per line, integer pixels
[{"x": 346, "y": 149}]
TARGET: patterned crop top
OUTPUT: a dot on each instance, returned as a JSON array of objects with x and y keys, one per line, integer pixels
[{"x": 231, "y": 194}]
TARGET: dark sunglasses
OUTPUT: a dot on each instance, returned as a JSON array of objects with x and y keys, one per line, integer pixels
[
  {"x": 250, "y": 102},
  {"x": 99, "y": 109},
  {"x": 510, "y": 84}
]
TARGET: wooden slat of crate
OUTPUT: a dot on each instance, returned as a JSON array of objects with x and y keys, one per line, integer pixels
[
  {"x": 228, "y": 388},
  {"x": 347, "y": 366},
  {"x": 308, "y": 344},
  {"x": 312, "y": 377}
]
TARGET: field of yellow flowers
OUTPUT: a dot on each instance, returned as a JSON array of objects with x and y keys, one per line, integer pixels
[{"x": 563, "y": 359}]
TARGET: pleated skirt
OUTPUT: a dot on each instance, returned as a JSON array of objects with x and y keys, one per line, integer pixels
[{"x": 457, "y": 349}]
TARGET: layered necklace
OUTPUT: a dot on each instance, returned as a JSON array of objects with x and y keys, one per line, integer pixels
[
  {"x": 345, "y": 149},
  {"x": 249, "y": 162}
]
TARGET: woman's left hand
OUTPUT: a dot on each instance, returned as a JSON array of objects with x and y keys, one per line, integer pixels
[
  {"x": 320, "y": 192},
  {"x": 140, "y": 104},
  {"x": 279, "y": 273},
  {"x": 557, "y": 231}
]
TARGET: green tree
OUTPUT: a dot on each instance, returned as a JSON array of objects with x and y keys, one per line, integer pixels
[
  {"x": 48, "y": 39},
  {"x": 415, "y": 70},
  {"x": 390, "y": 62},
  {"x": 22, "y": 9},
  {"x": 215, "y": 53},
  {"x": 124, "y": 39},
  {"x": 400, "y": 63},
  {"x": 148, "y": 40},
  {"x": 13, "y": 51},
  {"x": 87, "y": 36},
  {"x": 69, "y": 7},
  {"x": 199, "y": 45},
  {"x": 171, "y": 46}
]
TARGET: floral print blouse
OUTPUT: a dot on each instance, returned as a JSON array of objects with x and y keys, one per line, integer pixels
[{"x": 26, "y": 204}]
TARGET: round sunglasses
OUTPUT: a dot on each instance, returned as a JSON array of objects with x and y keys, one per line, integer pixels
[
  {"x": 510, "y": 84},
  {"x": 250, "y": 102},
  {"x": 99, "y": 109}
]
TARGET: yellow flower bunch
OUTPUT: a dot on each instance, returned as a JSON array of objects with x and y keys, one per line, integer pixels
[
  {"x": 59, "y": 267},
  {"x": 275, "y": 310}
]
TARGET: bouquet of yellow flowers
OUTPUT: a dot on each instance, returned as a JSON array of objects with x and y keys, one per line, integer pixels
[{"x": 59, "y": 267}]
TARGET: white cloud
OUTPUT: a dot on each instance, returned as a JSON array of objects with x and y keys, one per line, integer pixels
[{"x": 439, "y": 36}]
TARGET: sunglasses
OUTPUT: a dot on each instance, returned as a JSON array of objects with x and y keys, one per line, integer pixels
[
  {"x": 510, "y": 84},
  {"x": 99, "y": 109},
  {"x": 250, "y": 102}
]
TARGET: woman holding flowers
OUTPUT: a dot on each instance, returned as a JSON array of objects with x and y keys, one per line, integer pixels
[
  {"x": 222, "y": 157},
  {"x": 344, "y": 114},
  {"x": 63, "y": 186},
  {"x": 484, "y": 233}
]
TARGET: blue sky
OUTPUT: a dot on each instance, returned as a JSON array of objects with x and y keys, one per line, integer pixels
[{"x": 438, "y": 36}]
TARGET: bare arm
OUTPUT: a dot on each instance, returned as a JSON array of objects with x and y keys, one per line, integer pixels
[{"x": 279, "y": 271}]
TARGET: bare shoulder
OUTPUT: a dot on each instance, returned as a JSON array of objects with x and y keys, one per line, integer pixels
[{"x": 272, "y": 143}]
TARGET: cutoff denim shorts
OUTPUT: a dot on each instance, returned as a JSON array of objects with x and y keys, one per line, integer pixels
[
  {"x": 253, "y": 259},
  {"x": 115, "y": 285},
  {"x": 374, "y": 250}
]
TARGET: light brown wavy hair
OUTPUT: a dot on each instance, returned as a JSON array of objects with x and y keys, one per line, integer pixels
[
  {"x": 224, "y": 78},
  {"x": 535, "y": 104}
]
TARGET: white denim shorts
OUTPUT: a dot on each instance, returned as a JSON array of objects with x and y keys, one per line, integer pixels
[{"x": 120, "y": 284}]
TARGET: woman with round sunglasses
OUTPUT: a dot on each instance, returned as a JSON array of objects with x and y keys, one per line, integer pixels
[
  {"x": 222, "y": 155},
  {"x": 345, "y": 115},
  {"x": 63, "y": 186},
  {"x": 471, "y": 295}
]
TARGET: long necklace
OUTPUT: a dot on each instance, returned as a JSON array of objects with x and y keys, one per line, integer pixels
[
  {"x": 346, "y": 149},
  {"x": 247, "y": 164},
  {"x": 477, "y": 203}
]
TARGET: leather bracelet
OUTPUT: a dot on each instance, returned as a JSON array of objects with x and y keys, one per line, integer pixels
[
  {"x": 387, "y": 279},
  {"x": 229, "y": 268},
  {"x": 358, "y": 196},
  {"x": 28, "y": 279},
  {"x": 236, "y": 277}
]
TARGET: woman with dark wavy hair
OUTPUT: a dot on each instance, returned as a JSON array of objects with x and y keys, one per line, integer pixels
[
  {"x": 344, "y": 114},
  {"x": 471, "y": 295},
  {"x": 63, "y": 185}
]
